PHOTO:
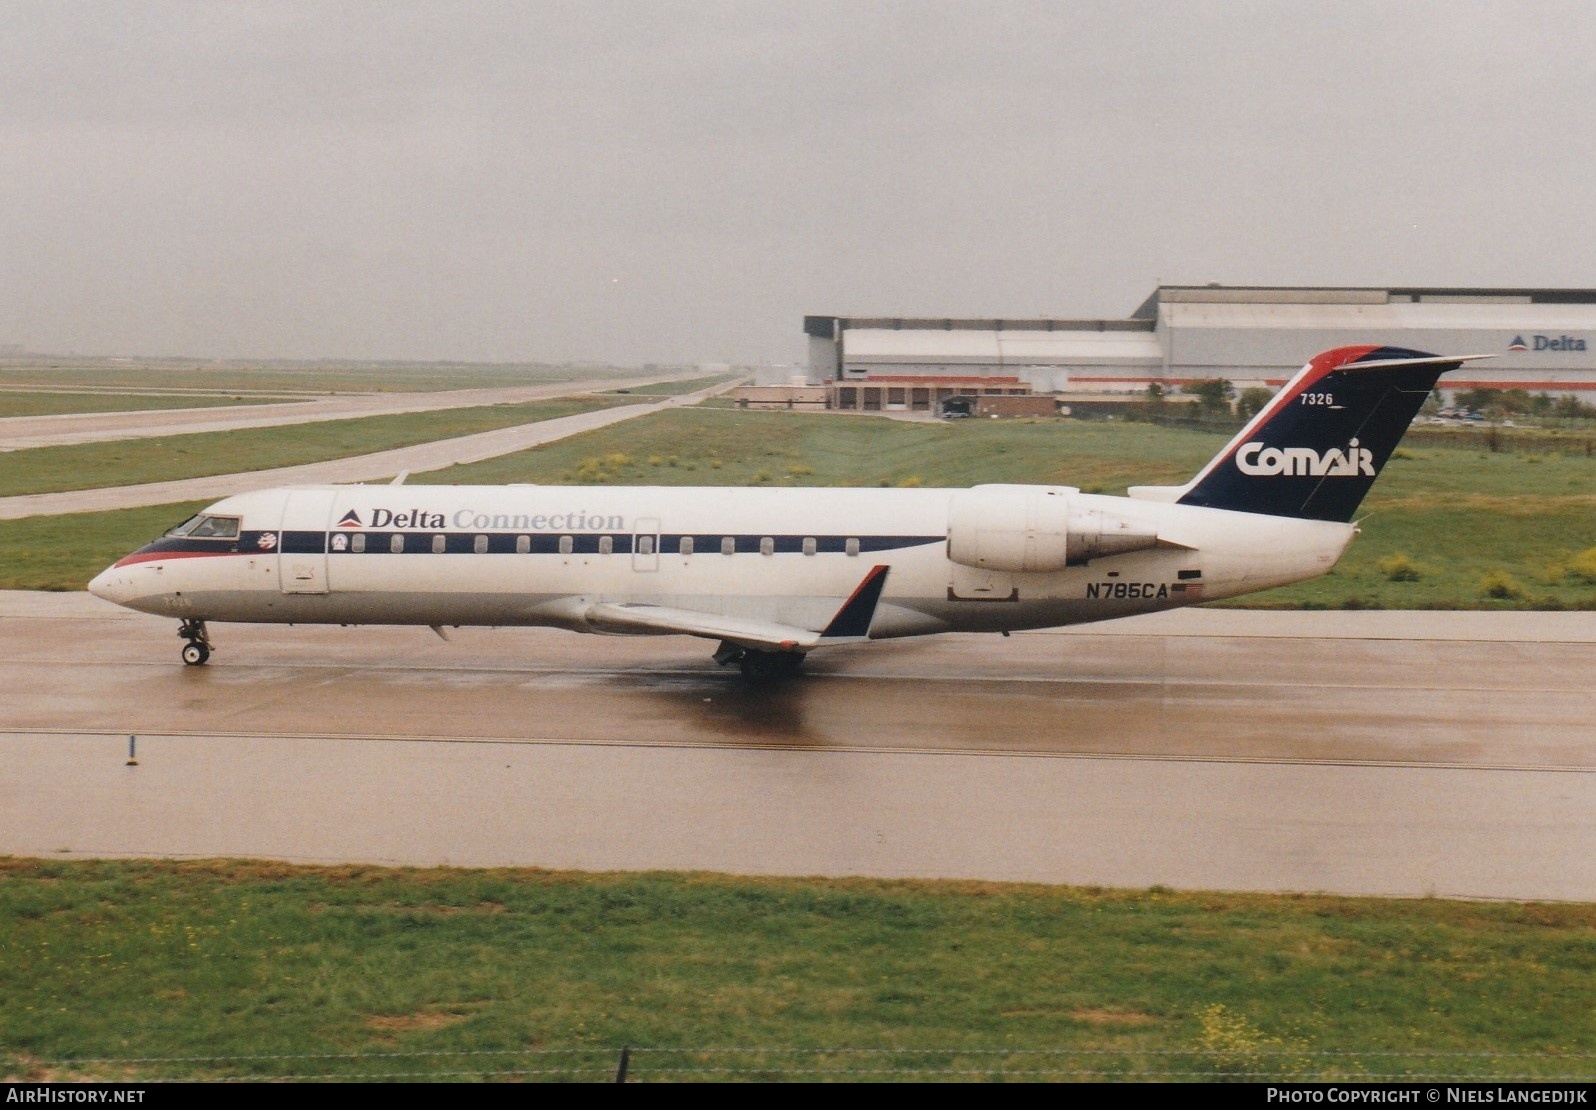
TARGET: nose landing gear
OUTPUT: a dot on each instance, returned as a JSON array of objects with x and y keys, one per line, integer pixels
[{"x": 197, "y": 645}]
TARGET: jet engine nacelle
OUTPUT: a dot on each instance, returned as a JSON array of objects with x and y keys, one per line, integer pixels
[{"x": 1036, "y": 528}]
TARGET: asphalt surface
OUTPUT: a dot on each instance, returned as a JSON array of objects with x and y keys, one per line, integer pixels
[{"x": 1412, "y": 754}]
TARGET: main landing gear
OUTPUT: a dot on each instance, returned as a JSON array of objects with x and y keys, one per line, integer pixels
[
  {"x": 197, "y": 645},
  {"x": 760, "y": 666}
]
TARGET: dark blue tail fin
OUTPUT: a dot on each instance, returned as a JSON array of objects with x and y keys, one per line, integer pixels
[{"x": 1316, "y": 448}]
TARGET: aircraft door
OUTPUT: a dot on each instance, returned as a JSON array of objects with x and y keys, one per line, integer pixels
[
  {"x": 645, "y": 544},
  {"x": 302, "y": 541}
]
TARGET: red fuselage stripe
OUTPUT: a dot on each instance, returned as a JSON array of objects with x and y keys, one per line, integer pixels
[{"x": 154, "y": 556}]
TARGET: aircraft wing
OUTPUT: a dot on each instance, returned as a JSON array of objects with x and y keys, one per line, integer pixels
[
  {"x": 850, "y": 624},
  {"x": 663, "y": 619}
]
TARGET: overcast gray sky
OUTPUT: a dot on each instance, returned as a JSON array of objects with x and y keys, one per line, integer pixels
[{"x": 646, "y": 181}]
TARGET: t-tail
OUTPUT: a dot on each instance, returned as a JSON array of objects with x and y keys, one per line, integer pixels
[{"x": 1317, "y": 447}]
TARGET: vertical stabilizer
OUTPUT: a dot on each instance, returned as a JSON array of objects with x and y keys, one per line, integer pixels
[{"x": 1316, "y": 448}]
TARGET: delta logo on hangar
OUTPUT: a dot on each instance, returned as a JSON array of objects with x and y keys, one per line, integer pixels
[{"x": 1547, "y": 343}]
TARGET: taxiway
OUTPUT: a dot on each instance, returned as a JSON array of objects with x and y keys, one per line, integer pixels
[{"x": 1409, "y": 754}]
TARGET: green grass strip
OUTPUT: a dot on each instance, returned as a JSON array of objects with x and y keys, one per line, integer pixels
[
  {"x": 64, "y": 552},
  {"x": 703, "y": 446},
  {"x": 1445, "y": 528},
  {"x": 122, "y": 969}
]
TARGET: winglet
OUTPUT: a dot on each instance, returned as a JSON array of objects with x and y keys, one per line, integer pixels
[{"x": 853, "y": 619}]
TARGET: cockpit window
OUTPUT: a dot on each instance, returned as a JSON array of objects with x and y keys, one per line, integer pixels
[
  {"x": 186, "y": 527},
  {"x": 206, "y": 527}
]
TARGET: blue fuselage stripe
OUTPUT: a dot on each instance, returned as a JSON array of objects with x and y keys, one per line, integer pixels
[{"x": 341, "y": 542}]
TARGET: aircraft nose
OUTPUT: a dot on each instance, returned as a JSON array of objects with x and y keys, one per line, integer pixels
[{"x": 112, "y": 584}]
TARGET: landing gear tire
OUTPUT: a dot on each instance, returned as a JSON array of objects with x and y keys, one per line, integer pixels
[
  {"x": 760, "y": 666},
  {"x": 197, "y": 644},
  {"x": 770, "y": 666}
]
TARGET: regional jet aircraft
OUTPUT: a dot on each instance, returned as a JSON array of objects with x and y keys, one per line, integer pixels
[{"x": 772, "y": 574}]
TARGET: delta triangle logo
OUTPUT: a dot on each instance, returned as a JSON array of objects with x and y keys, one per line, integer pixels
[
  {"x": 351, "y": 519},
  {"x": 1518, "y": 344}
]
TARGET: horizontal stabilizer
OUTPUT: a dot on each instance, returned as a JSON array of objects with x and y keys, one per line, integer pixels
[{"x": 1408, "y": 363}]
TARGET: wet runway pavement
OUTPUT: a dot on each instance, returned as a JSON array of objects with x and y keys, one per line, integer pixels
[{"x": 1382, "y": 753}]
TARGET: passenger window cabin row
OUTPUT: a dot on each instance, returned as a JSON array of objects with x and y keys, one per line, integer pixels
[{"x": 606, "y": 545}]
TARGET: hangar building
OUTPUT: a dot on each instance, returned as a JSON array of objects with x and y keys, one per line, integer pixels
[{"x": 1544, "y": 340}]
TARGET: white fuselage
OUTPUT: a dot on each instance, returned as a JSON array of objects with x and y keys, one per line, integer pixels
[{"x": 547, "y": 555}]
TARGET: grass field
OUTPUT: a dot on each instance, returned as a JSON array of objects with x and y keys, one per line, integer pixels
[
  {"x": 129, "y": 462},
  {"x": 1445, "y": 527},
  {"x": 121, "y": 969},
  {"x": 19, "y": 403},
  {"x": 64, "y": 552},
  {"x": 739, "y": 448}
]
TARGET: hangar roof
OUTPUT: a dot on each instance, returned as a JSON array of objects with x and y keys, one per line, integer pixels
[
  {"x": 1166, "y": 295},
  {"x": 829, "y": 327},
  {"x": 1427, "y": 301},
  {"x": 1453, "y": 315}
]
